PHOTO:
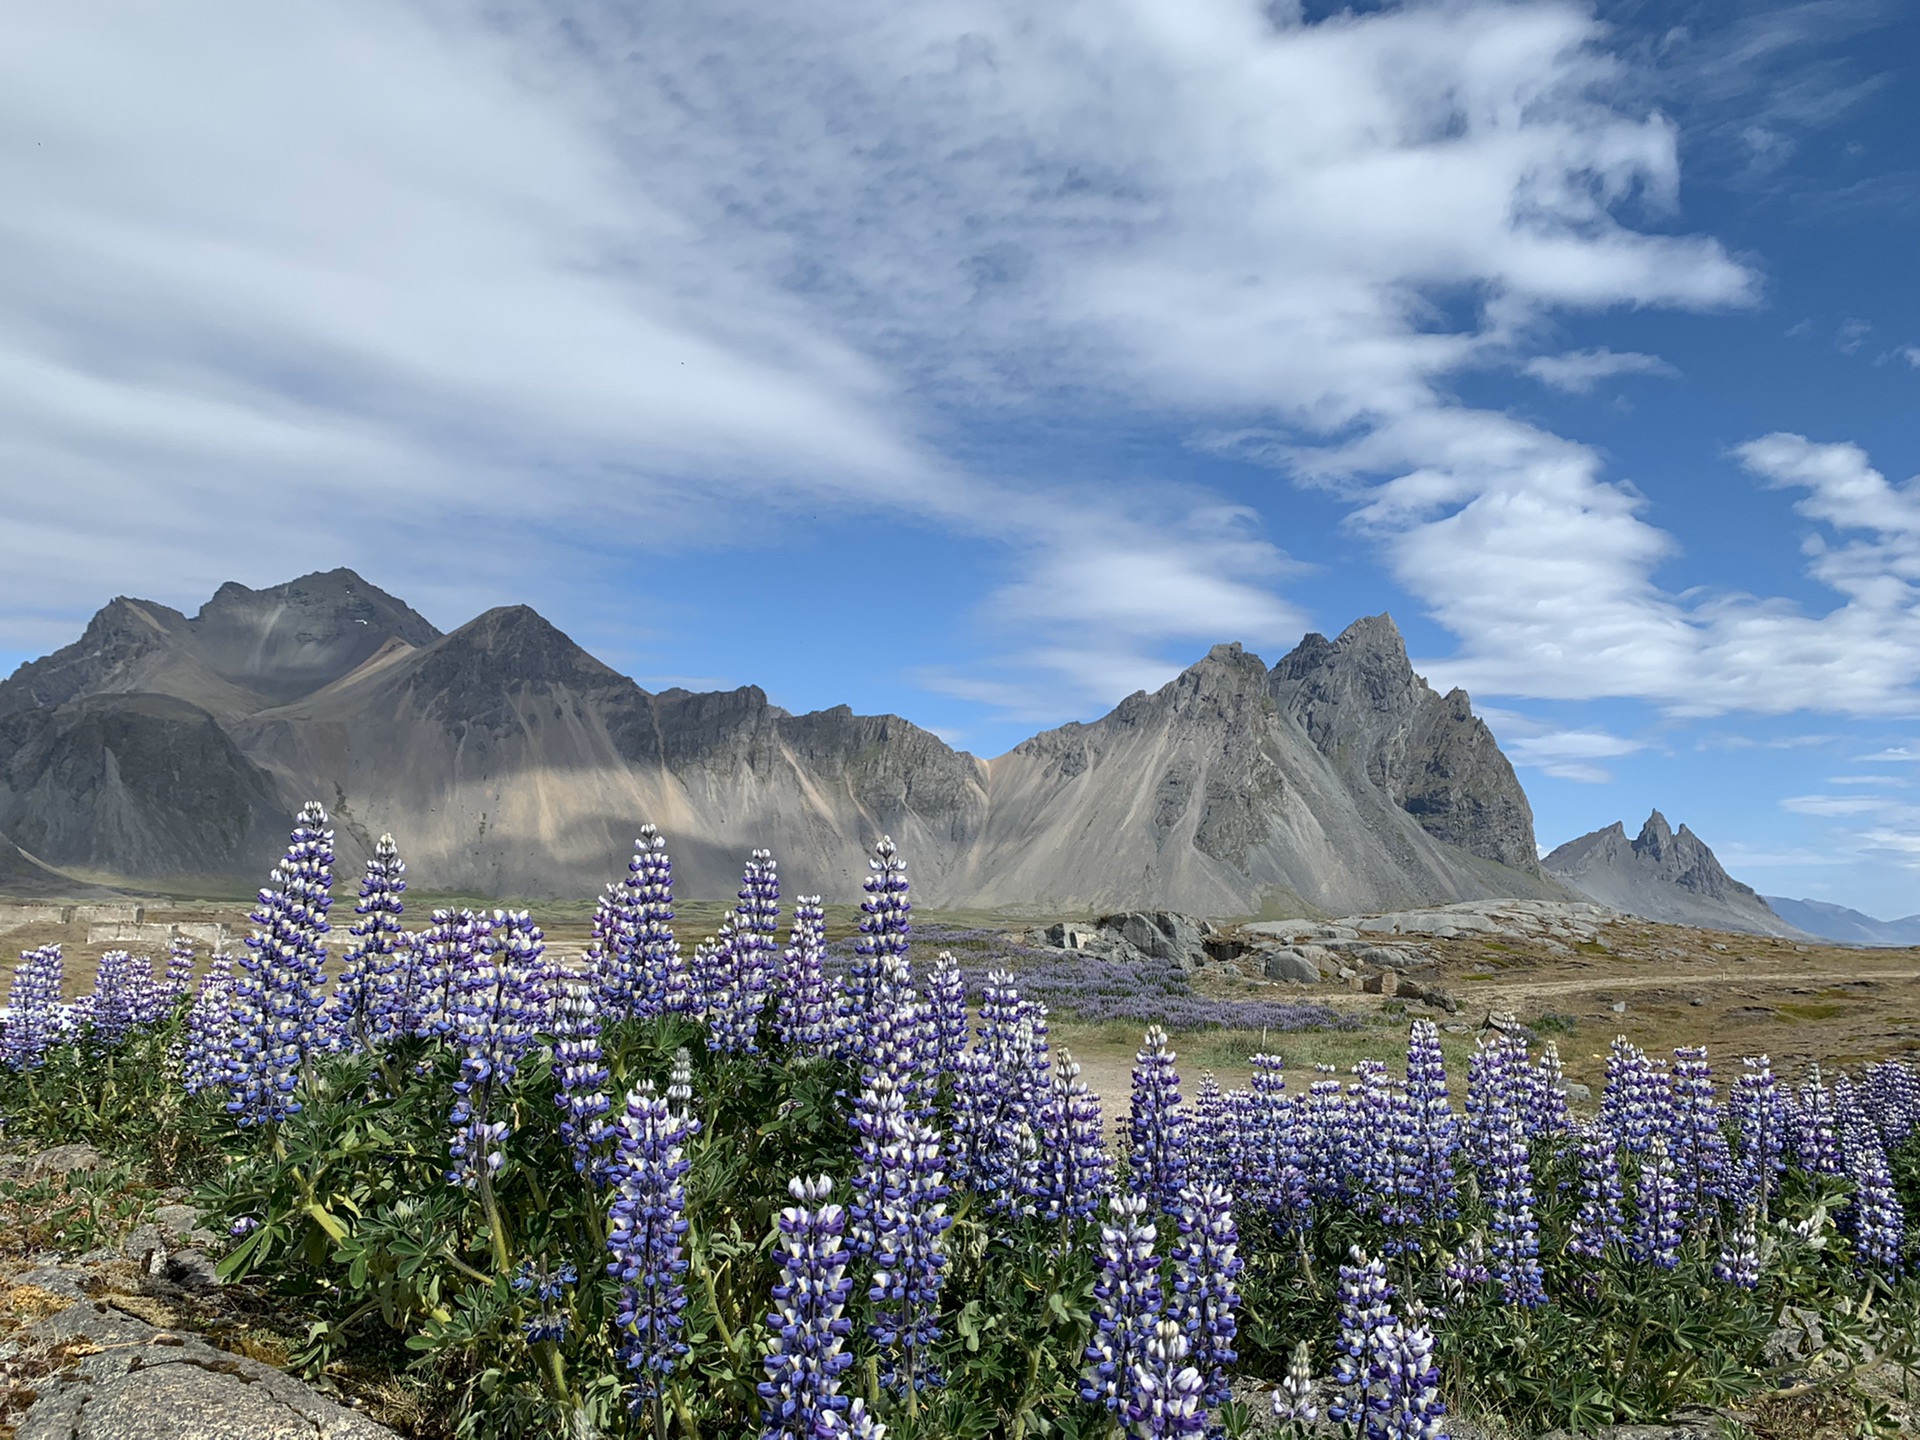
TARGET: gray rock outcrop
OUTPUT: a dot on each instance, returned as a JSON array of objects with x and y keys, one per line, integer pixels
[
  {"x": 1664, "y": 876},
  {"x": 509, "y": 761},
  {"x": 133, "y": 1381}
]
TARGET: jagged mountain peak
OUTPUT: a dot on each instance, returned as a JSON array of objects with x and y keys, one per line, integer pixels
[
  {"x": 1662, "y": 874},
  {"x": 292, "y": 639}
]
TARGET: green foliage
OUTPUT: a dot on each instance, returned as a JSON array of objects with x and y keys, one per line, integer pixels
[
  {"x": 74, "y": 1211},
  {"x": 125, "y": 1102},
  {"x": 345, "y": 1213}
]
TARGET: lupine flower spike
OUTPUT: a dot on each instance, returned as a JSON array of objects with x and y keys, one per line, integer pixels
[
  {"x": 34, "y": 1017},
  {"x": 276, "y": 1000},
  {"x": 365, "y": 997},
  {"x": 647, "y": 1226},
  {"x": 800, "y": 1398},
  {"x": 1157, "y": 1125}
]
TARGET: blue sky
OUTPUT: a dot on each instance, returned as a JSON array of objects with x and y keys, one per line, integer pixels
[{"x": 983, "y": 362}]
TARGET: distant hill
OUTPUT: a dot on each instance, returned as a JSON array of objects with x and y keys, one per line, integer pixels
[
  {"x": 1661, "y": 875},
  {"x": 509, "y": 761},
  {"x": 1850, "y": 927}
]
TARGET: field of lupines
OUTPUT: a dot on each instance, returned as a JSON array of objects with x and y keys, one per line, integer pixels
[{"x": 742, "y": 1191}]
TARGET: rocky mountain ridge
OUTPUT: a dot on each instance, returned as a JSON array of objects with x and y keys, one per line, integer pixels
[
  {"x": 509, "y": 761},
  {"x": 1663, "y": 875}
]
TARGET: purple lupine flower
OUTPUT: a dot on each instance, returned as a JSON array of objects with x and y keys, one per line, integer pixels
[
  {"x": 362, "y": 1012},
  {"x": 1499, "y": 1095},
  {"x": 544, "y": 1287},
  {"x": 741, "y": 964},
  {"x": 1433, "y": 1124},
  {"x": 947, "y": 1016},
  {"x": 1635, "y": 1102},
  {"x": 1167, "y": 1397},
  {"x": 1599, "y": 1226},
  {"x": 492, "y": 1007},
  {"x": 1547, "y": 1094},
  {"x": 735, "y": 993},
  {"x": 204, "y": 1048},
  {"x": 440, "y": 953},
  {"x": 680, "y": 1082},
  {"x": 179, "y": 980},
  {"x": 1739, "y": 1261},
  {"x": 804, "y": 1016},
  {"x": 1127, "y": 1302},
  {"x": 1891, "y": 1096},
  {"x": 1365, "y": 1315},
  {"x": 1759, "y": 1112},
  {"x": 1077, "y": 1168},
  {"x": 1003, "y": 1096},
  {"x": 638, "y": 970},
  {"x": 1206, "y": 1292},
  {"x": 1157, "y": 1126},
  {"x": 580, "y": 1075},
  {"x": 709, "y": 971},
  {"x": 977, "y": 1101},
  {"x": 1874, "y": 1216},
  {"x": 1656, "y": 1209},
  {"x": 1697, "y": 1139},
  {"x": 896, "y": 1031},
  {"x": 1293, "y": 1402},
  {"x": 1410, "y": 1383},
  {"x": 1811, "y": 1127},
  {"x": 759, "y": 896},
  {"x": 879, "y": 1120},
  {"x": 115, "y": 1010},
  {"x": 1515, "y": 1243},
  {"x": 884, "y": 930},
  {"x": 277, "y": 998},
  {"x": 1322, "y": 1137},
  {"x": 436, "y": 956},
  {"x": 909, "y": 1259},
  {"x": 34, "y": 1019},
  {"x": 646, "y": 1229},
  {"x": 1373, "y": 1124},
  {"x": 800, "y": 1398},
  {"x": 1264, "y": 1124},
  {"x": 1466, "y": 1267},
  {"x": 1210, "y": 1133}
]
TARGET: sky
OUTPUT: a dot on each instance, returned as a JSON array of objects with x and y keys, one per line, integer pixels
[{"x": 984, "y": 362}]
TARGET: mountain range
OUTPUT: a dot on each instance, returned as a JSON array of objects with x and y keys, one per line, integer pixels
[
  {"x": 1663, "y": 875},
  {"x": 165, "y": 750},
  {"x": 1850, "y": 927}
]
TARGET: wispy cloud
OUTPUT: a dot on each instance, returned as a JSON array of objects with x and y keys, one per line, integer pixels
[
  {"x": 1578, "y": 371},
  {"x": 502, "y": 302},
  {"x": 1566, "y": 753}
]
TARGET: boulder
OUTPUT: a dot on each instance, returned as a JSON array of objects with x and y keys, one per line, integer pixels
[
  {"x": 64, "y": 1159},
  {"x": 1068, "y": 936},
  {"x": 1160, "y": 935},
  {"x": 1296, "y": 964},
  {"x": 132, "y": 1381},
  {"x": 1393, "y": 957}
]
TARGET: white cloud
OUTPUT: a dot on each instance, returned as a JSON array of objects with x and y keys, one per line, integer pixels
[
  {"x": 1578, "y": 371},
  {"x": 496, "y": 302},
  {"x": 1545, "y": 571},
  {"x": 1910, "y": 354},
  {"x": 1833, "y": 804},
  {"x": 1564, "y": 753}
]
